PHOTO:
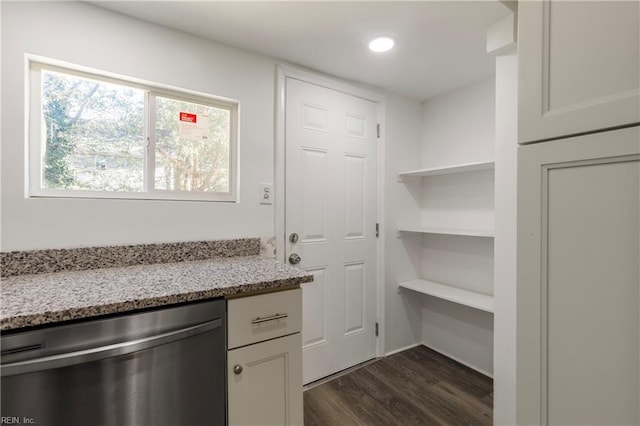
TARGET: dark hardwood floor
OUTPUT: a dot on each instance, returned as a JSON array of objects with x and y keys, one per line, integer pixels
[{"x": 415, "y": 387}]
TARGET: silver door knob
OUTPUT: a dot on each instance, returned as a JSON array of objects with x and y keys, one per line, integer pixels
[
  {"x": 294, "y": 259},
  {"x": 237, "y": 369}
]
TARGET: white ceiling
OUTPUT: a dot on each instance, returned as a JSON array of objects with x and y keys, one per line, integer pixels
[{"x": 440, "y": 44}]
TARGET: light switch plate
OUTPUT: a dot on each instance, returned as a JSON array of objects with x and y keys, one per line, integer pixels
[{"x": 266, "y": 193}]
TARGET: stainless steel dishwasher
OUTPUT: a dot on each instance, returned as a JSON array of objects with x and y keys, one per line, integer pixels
[{"x": 160, "y": 367}]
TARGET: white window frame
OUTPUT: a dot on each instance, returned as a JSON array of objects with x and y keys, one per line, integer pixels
[{"x": 36, "y": 143}]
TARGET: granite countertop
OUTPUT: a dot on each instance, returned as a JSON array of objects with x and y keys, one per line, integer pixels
[{"x": 36, "y": 299}]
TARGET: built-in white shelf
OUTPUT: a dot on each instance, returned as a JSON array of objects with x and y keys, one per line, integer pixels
[
  {"x": 447, "y": 231},
  {"x": 458, "y": 168},
  {"x": 461, "y": 296}
]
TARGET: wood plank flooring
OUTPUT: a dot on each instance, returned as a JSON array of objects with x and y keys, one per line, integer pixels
[{"x": 415, "y": 387}]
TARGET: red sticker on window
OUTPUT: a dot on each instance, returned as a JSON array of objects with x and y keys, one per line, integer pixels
[{"x": 189, "y": 118}]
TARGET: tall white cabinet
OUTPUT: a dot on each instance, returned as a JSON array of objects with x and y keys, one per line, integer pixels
[
  {"x": 578, "y": 280},
  {"x": 579, "y": 67},
  {"x": 578, "y": 295}
]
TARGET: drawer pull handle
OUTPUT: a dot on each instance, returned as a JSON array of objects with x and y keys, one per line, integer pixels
[{"x": 269, "y": 318}]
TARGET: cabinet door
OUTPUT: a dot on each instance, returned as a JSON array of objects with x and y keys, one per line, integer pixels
[
  {"x": 578, "y": 294},
  {"x": 578, "y": 67},
  {"x": 268, "y": 390}
]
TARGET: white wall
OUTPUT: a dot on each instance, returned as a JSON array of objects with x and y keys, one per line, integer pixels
[
  {"x": 466, "y": 262},
  {"x": 459, "y": 201},
  {"x": 458, "y": 127},
  {"x": 403, "y": 141},
  {"x": 504, "y": 412},
  {"x": 462, "y": 333},
  {"x": 85, "y": 35}
]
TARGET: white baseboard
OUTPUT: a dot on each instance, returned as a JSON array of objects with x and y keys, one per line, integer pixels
[
  {"x": 395, "y": 351},
  {"x": 479, "y": 370}
]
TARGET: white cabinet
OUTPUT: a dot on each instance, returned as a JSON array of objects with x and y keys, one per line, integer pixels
[
  {"x": 457, "y": 201},
  {"x": 264, "y": 360},
  {"x": 267, "y": 390},
  {"x": 579, "y": 67},
  {"x": 578, "y": 289},
  {"x": 578, "y": 296}
]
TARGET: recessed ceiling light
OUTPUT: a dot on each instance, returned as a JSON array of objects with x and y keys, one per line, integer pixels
[{"x": 381, "y": 44}]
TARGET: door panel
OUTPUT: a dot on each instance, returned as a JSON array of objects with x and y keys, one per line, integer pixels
[
  {"x": 315, "y": 117},
  {"x": 315, "y": 194},
  {"x": 579, "y": 280},
  {"x": 355, "y": 125},
  {"x": 331, "y": 202},
  {"x": 314, "y": 307},
  {"x": 354, "y": 196},
  {"x": 354, "y": 295}
]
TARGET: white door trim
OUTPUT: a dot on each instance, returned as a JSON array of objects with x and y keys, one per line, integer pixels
[{"x": 285, "y": 71}]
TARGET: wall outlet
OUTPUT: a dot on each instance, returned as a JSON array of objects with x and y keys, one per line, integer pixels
[{"x": 266, "y": 193}]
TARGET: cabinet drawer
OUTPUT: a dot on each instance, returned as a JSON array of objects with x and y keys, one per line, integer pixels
[{"x": 266, "y": 316}]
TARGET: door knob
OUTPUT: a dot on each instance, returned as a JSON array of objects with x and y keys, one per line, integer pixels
[
  {"x": 237, "y": 369},
  {"x": 294, "y": 259}
]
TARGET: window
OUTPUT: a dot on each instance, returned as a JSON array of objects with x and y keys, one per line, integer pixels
[{"x": 103, "y": 137}]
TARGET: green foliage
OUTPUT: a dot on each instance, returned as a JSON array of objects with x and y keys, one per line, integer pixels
[
  {"x": 191, "y": 165},
  {"x": 94, "y": 139},
  {"x": 94, "y": 134},
  {"x": 57, "y": 123}
]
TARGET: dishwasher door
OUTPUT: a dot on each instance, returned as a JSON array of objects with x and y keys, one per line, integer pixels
[{"x": 160, "y": 367}]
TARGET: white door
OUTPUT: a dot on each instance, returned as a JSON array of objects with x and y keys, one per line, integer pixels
[
  {"x": 578, "y": 325},
  {"x": 331, "y": 201}
]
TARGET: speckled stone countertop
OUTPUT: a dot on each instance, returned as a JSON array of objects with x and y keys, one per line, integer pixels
[
  {"x": 29, "y": 300},
  {"x": 78, "y": 259}
]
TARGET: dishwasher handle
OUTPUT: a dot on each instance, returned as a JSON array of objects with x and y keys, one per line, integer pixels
[{"x": 102, "y": 352}]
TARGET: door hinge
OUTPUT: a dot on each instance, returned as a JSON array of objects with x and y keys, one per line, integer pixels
[
  {"x": 377, "y": 329},
  {"x": 378, "y": 130},
  {"x": 377, "y": 230}
]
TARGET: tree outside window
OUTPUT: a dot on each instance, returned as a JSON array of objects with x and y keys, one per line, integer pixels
[{"x": 107, "y": 136}]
